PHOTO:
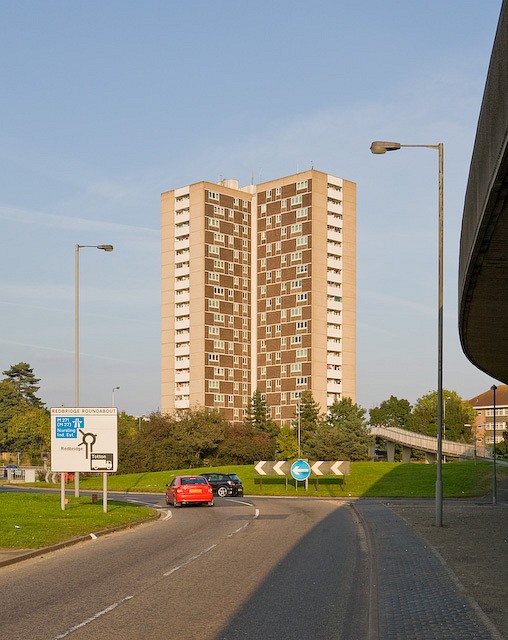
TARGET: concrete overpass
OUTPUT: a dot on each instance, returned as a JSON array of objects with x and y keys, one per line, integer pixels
[
  {"x": 483, "y": 262},
  {"x": 411, "y": 440}
]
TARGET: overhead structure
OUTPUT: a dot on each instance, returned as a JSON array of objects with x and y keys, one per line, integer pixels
[{"x": 483, "y": 263}]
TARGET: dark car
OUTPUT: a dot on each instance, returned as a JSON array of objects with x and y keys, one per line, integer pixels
[{"x": 225, "y": 484}]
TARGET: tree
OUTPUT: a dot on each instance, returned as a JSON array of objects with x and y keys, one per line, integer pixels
[
  {"x": 22, "y": 377},
  {"x": 458, "y": 415},
  {"x": 308, "y": 420},
  {"x": 11, "y": 403},
  {"x": 391, "y": 413},
  {"x": 196, "y": 435},
  {"x": 243, "y": 445},
  {"x": 257, "y": 415},
  {"x": 29, "y": 433},
  {"x": 343, "y": 435},
  {"x": 287, "y": 444}
]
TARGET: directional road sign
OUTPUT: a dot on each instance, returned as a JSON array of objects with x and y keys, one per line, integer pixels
[
  {"x": 84, "y": 439},
  {"x": 300, "y": 470}
]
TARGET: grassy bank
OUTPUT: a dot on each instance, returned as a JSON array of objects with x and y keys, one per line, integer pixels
[{"x": 367, "y": 479}]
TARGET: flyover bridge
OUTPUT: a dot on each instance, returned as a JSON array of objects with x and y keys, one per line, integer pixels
[{"x": 411, "y": 440}]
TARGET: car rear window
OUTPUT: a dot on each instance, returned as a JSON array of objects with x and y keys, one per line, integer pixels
[{"x": 194, "y": 480}]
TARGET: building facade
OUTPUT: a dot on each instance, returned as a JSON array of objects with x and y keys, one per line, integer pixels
[
  {"x": 259, "y": 293},
  {"x": 484, "y": 421}
]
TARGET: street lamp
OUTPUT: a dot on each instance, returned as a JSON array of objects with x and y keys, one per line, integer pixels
[
  {"x": 103, "y": 247},
  {"x": 299, "y": 409},
  {"x": 494, "y": 478},
  {"x": 113, "y": 400},
  {"x": 380, "y": 147}
]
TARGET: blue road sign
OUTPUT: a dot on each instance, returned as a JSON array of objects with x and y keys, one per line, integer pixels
[{"x": 300, "y": 470}]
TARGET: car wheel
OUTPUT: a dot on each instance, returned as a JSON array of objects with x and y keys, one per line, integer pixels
[
  {"x": 222, "y": 492},
  {"x": 168, "y": 501}
]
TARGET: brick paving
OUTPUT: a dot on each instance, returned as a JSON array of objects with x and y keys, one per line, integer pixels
[{"x": 419, "y": 597}]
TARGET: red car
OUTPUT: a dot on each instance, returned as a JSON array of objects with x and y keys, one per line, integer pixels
[{"x": 189, "y": 490}]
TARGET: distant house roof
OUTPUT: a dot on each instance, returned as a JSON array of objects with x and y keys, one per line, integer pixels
[{"x": 486, "y": 399}]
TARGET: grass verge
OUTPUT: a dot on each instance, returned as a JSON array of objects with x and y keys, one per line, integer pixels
[{"x": 34, "y": 520}]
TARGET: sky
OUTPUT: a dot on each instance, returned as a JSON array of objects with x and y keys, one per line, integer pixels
[{"x": 105, "y": 105}]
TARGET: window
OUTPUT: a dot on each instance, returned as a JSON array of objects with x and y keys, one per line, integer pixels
[
  {"x": 301, "y": 325},
  {"x": 296, "y": 367},
  {"x": 213, "y": 195},
  {"x": 301, "y": 297},
  {"x": 296, "y": 340},
  {"x": 302, "y": 213},
  {"x": 213, "y": 277},
  {"x": 213, "y": 385},
  {"x": 296, "y": 200},
  {"x": 213, "y": 357},
  {"x": 301, "y": 241},
  {"x": 213, "y": 331},
  {"x": 218, "y": 291},
  {"x": 302, "y": 381},
  {"x": 304, "y": 184},
  {"x": 301, "y": 353},
  {"x": 213, "y": 304},
  {"x": 218, "y": 317},
  {"x": 296, "y": 228},
  {"x": 301, "y": 268}
]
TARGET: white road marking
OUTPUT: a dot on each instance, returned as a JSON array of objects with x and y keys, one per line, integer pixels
[
  {"x": 184, "y": 564},
  {"x": 168, "y": 573},
  {"x": 249, "y": 504},
  {"x": 92, "y": 618}
]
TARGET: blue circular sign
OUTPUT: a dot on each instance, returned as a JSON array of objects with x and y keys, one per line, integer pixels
[{"x": 300, "y": 470}]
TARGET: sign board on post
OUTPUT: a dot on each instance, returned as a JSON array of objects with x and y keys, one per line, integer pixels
[
  {"x": 300, "y": 470},
  {"x": 84, "y": 439}
]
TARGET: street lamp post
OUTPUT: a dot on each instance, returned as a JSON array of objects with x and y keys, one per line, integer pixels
[
  {"x": 380, "y": 147},
  {"x": 494, "y": 477},
  {"x": 113, "y": 396},
  {"x": 103, "y": 247},
  {"x": 299, "y": 408}
]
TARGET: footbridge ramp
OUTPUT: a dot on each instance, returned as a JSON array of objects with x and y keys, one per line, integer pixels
[{"x": 411, "y": 440}]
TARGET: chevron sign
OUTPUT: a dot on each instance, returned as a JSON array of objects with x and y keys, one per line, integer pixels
[
  {"x": 326, "y": 468},
  {"x": 272, "y": 467},
  {"x": 318, "y": 468}
]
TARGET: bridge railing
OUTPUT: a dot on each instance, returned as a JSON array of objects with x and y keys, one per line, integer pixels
[{"x": 422, "y": 442}]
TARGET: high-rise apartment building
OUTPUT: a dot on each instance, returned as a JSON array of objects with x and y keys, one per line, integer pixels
[{"x": 259, "y": 292}]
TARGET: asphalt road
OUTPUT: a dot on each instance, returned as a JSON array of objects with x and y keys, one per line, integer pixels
[{"x": 246, "y": 568}]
